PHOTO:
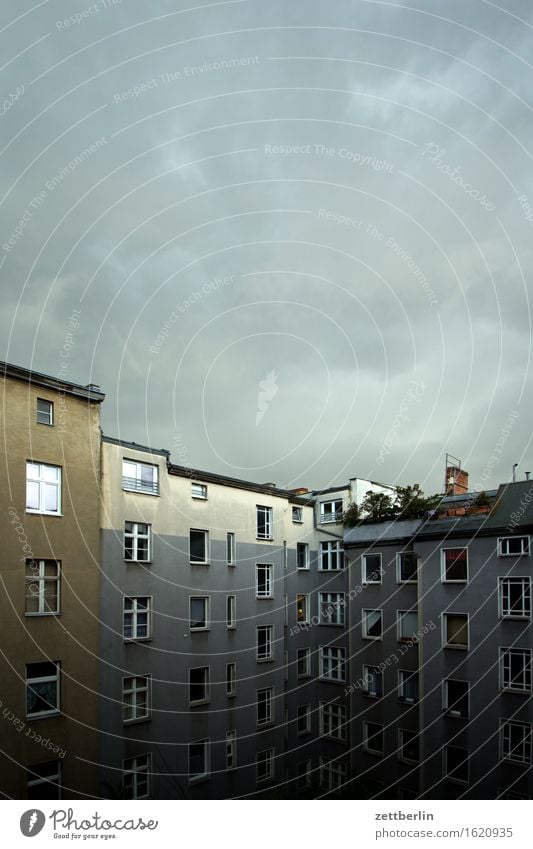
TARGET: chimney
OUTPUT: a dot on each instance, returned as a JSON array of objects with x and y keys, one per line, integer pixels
[{"x": 456, "y": 481}]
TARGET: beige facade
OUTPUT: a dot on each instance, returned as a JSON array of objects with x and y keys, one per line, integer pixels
[{"x": 49, "y": 567}]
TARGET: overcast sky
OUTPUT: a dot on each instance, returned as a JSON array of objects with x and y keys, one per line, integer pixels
[{"x": 296, "y": 237}]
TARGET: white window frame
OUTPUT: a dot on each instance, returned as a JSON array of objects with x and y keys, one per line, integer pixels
[
  {"x": 136, "y": 691},
  {"x": 268, "y": 762},
  {"x": 455, "y": 646},
  {"x": 306, "y": 716},
  {"x": 206, "y": 560},
  {"x": 305, "y": 600},
  {"x": 332, "y": 774},
  {"x": 269, "y": 643},
  {"x": 40, "y": 579},
  {"x": 206, "y": 684},
  {"x": 134, "y": 613},
  {"x": 369, "y": 672},
  {"x": 55, "y": 779},
  {"x": 330, "y": 516},
  {"x": 367, "y": 737},
  {"x": 207, "y": 610},
  {"x": 231, "y": 612},
  {"x": 43, "y": 484},
  {"x": 134, "y": 767},
  {"x": 364, "y": 622},
  {"x": 303, "y": 776},
  {"x": 399, "y": 556},
  {"x": 268, "y": 516},
  {"x": 54, "y": 678},
  {"x": 48, "y": 413},
  {"x": 447, "y": 775},
  {"x": 400, "y": 619},
  {"x": 332, "y": 660},
  {"x": 302, "y": 547},
  {"x": 269, "y": 580},
  {"x": 526, "y": 549},
  {"x": 198, "y": 491},
  {"x": 332, "y": 553},
  {"x": 526, "y": 745},
  {"x": 135, "y": 535},
  {"x": 526, "y": 583},
  {"x": 332, "y": 721},
  {"x": 365, "y": 579},
  {"x": 297, "y": 515},
  {"x": 134, "y": 482},
  {"x": 453, "y": 712},
  {"x": 231, "y": 680},
  {"x": 333, "y": 606},
  {"x": 200, "y": 776},
  {"x": 268, "y": 705},
  {"x": 307, "y": 661},
  {"x": 443, "y": 576},
  {"x": 402, "y": 743},
  {"x": 403, "y": 676},
  {"x": 230, "y": 549},
  {"x": 506, "y": 683},
  {"x": 231, "y": 750}
]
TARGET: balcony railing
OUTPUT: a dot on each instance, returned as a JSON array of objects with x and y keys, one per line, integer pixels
[{"x": 137, "y": 485}]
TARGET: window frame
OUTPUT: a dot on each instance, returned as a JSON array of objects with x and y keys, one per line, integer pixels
[
  {"x": 303, "y": 776},
  {"x": 527, "y": 670},
  {"x": 269, "y": 761},
  {"x": 302, "y": 546},
  {"x": 331, "y": 517},
  {"x": 207, "y": 611},
  {"x": 400, "y": 618},
  {"x": 231, "y": 679},
  {"x": 407, "y": 673},
  {"x": 399, "y": 556},
  {"x": 367, "y": 676},
  {"x": 367, "y": 737},
  {"x": 338, "y": 606},
  {"x": 269, "y": 580},
  {"x": 364, "y": 568},
  {"x": 526, "y": 742},
  {"x": 269, "y": 643},
  {"x": 135, "y": 536},
  {"x": 268, "y": 704},
  {"x": 267, "y": 523},
  {"x": 331, "y": 551},
  {"x": 134, "y": 612},
  {"x": 455, "y": 646},
  {"x": 501, "y": 553},
  {"x": 29, "y": 683},
  {"x": 230, "y": 548},
  {"x": 443, "y": 565},
  {"x": 446, "y": 708},
  {"x": 197, "y": 777},
  {"x": 42, "y": 483},
  {"x": 402, "y": 743},
  {"x": 332, "y": 727},
  {"x": 50, "y": 406},
  {"x": 205, "y": 534},
  {"x": 231, "y": 612},
  {"x": 332, "y": 773},
  {"x": 206, "y": 685},
  {"x": 302, "y": 732},
  {"x": 305, "y": 600},
  {"x": 306, "y": 659},
  {"x": 231, "y": 750},
  {"x": 364, "y": 625},
  {"x": 134, "y": 772},
  {"x": 446, "y": 774},
  {"x": 297, "y": 512},
  {"x": 137, "y": 485},
  {"x": 331, "y": 664},
  {"x": 41, "y": 579},
  {"x": 526, "y": 582},
  {"x": 147, "y": 688},
  {"x": 198, "y": 491}
]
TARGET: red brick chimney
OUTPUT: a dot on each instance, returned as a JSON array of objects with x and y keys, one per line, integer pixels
[{"x": 456, "y": 482}]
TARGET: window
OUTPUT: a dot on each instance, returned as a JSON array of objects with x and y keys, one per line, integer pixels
[
  {"x": 42, "y": 586},
  {"x": 264, "y": 765},
  {"x": 303, "y": 663},
  {"x": 137, "y": 542},
  {"x": 137, "y": 775},
  {"x": 263, "y": 580},
  {"x": 264, "y": 522},
  {"x": 331, "y": 608},
  {"x": 264, "y": 642},
  {"x": 199, "y": 766},
  {"x": 265, "y": 706},
  {"x": 456, "y": 698},
  {"x": 198, "y": 541},
  {"x": 199, "y": 490},
  {"x": 136, "y": 698},
  {"x": 303, "y": 719},
  {"x": 231, "y": 750},
  {"x": 302, "y": 609},
  {"x": 454, "y": 565},
  {"x": 371, "y": 569},
  {"x": 332, "y": 721},
  {"x": 515, "y": 742},
  {"x": 513, "y": 547},
  {"x": 137, "y": 618},
  {"x": 372, "y": 624},
  {"x": 297, "y": 515},
  {"x": 199, "y": 685},
  {"x": 230, "y": 549},
  {"x": 45, "y": 412},
  {"x": 43, "y": 489},
  {"x": 407, "y": 622},
  {"x": 199, "y": 613},
  {"x": 407, "y": 686},
  {"x": 231, "y": 611},
  {"x": 373, "y": 681},
  {"x": 455, "y": 630},
  {"x": 373, "y": 738},
  {"x": 408, "y": 746},
  {"x": 456, "y": 764},
  {"x": 302, "y": 555},
  {"x": 44, "y": 780},
  {"x": 140, "y": 477},
  {"x": 231, "y": 679},
  {"x": 42, "y": 689},
  {"x": 331, "y": 557},
  {"x": 515, "y": 670},
  {"x": 333, "y": 663},
  {"x": 303, "y": 775},
  {"x": 515, "y": 598},
  {"x": 332, "y": 774},
  {"x": 407, "y": 567},
  {"x": 331, "y": 511}
]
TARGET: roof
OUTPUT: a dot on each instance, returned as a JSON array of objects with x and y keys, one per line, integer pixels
[
  {"x": 135, "y": 446},
  {"x": 225, "y": 480},
  {"x": 383, "y": 531},
  {"x": 35, "y": 378}
]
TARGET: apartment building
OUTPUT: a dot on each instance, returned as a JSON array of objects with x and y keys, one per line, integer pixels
[
  {"x": 441, "y": 660},
  {"x": 50, "y": 434}
]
